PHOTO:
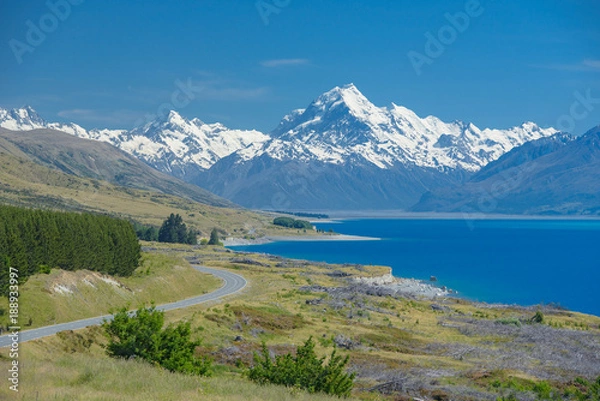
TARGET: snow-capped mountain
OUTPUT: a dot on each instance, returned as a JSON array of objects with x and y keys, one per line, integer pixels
[
  {"x": 174, "y": 144},
  {"x": 342, "y": 151},
  {"x": 559, "y": 175},
  {"x": 21, "y": 119},
  {"x": 342, "y": 124}
]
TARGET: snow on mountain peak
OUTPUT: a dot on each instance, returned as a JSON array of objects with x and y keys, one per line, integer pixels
[
  {"x": 348, "y": 96},
  {"x": 175, "y": 118},
  {"x": 170, "y": 143},
  {"x": 340, "y": 116},
  {"x": 25, "y": 118},
  {"x": 344, "y": 123},
  {"x": 197, "y": 122},
  {"x": 339, "y": 126}
]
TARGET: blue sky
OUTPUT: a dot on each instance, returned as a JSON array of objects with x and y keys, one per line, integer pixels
[{"x": 110, "y": 63}]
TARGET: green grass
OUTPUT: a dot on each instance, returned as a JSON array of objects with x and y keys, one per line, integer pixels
[
  {"x": 160, "y": 278},
  {"x": 53, "y": 374}
]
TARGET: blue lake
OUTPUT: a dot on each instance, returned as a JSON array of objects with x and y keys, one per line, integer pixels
[{"x": 525, "y": 262}]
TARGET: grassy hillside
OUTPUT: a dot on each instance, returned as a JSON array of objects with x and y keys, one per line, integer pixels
[
  {"x": 64, "y": 296},
  {"x": 400, "y": 346},
  {"x": 63, "y": 369},
  {"x": 98, "y": 160},
  {"x": 25, "y": 183}
]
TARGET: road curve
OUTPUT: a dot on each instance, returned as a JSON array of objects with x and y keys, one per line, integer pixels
[{"x": 232, "y": 283}]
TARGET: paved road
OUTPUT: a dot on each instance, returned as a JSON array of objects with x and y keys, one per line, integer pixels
[{"x": 232, "y": 284}]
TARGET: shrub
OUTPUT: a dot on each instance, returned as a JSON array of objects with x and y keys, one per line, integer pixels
[
  {"x": 509, "y": 321},
  {"x": 543, "y": 390},
  {"x": 45, "y": 269},
  {"x": 538, "y": 317},
  {"x": 304, "y": 370},
  {"x": 141, "y": 335}
]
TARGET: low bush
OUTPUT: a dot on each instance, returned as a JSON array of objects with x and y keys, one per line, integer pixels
[
  {"x": 304, "y": 370},
  {"x": 141, "y": 335}
]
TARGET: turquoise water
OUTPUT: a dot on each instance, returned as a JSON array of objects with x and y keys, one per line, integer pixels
[{"x": 507, "y": 261}]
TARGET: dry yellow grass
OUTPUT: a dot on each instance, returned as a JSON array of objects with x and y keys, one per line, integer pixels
[{"x": 393, "y": 333}]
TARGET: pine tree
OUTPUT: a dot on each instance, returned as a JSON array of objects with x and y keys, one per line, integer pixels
[
  {"x": 174, "y": 230},
  {"x": 214, "y": 238},
  {"x": 168, "y": 230},
  {"x": 192, "y": 238}
]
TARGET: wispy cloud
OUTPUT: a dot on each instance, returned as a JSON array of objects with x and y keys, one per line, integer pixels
[
  {"x": 595, "y": 64},
  {"x": 114, "y": 118},
  {"x": 284, "y": 62},
  {"x": 231, "y": 93},
  {"x": 584, "y": 65},
  {"x": 150, "y": 100},
  {"x": 205, "y": 86},
  {"x": 213, "y": 86}
]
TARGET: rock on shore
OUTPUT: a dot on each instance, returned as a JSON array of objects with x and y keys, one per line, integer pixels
[{"x": 407, "y": 286}]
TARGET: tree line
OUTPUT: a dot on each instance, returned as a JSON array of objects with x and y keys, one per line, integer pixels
[
  {"x": 304, "y": 214},
  {"x": 292, "y": 223},
  {"x": 34, "y": 241},
  {"x": 173, "y": 230}
]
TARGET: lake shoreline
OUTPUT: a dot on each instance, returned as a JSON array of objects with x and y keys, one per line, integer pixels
[
  {"x": 495, "y": 262},
  {"x": 334, "y": 216},
  {"x": 296, "y": 238}
]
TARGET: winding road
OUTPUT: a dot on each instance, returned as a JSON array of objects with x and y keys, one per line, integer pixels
[{"x": 232, "y": 283}]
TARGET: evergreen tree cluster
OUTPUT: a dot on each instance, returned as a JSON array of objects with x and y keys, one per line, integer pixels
[
  {"x": 292, "y": 223},
  {"x": 34, "y": 241},
  {"x": 141, "y": 335},
  {"x": 146, "y": 233},
  {"x": 174, "y": 230},
  {"x": 304, "y": 370}
]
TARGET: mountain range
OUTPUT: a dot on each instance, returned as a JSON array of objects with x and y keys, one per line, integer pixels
[
  {"x": 99, "y": 161},
  {"x": 343, "y": 152},
  {"x": 173, "y": 144},
  {"x": 340, "y": 152},
  {"x": 559, "y": 175}
]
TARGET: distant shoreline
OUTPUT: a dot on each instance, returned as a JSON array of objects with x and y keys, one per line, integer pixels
[
  {"x": 296, "y": 238},
  {"x": 403, "y": 215}
]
